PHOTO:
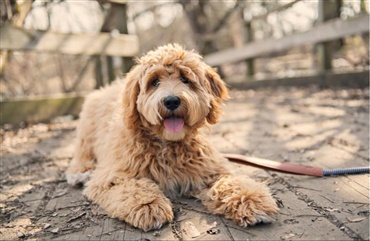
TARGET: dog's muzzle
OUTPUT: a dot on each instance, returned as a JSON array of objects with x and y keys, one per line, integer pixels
[{"x": 173, "y": 123}]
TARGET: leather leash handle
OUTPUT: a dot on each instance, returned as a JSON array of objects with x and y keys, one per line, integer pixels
[{"x": 274, "y": 165}]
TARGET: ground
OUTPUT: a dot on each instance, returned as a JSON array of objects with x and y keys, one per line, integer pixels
[{"x": 327, "y": 128}]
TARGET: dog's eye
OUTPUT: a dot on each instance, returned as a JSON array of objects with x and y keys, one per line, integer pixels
[
  {"x": 155, "y": 82},
  {"x": 184, "y": 79}
]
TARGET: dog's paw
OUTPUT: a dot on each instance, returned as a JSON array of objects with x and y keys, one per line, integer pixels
[
  {"x": 76, "y": 179},
  {"x": 247, "y": 210},
  {"x": 241, "y": 199},
  {"x": 151, "y": 215}
]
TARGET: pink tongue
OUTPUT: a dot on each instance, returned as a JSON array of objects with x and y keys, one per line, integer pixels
[{"x": 174, "y": 124}]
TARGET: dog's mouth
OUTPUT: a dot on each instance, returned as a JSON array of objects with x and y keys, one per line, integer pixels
[{"x": 173, "y": 124}]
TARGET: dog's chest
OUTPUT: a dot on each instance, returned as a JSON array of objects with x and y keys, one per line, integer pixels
[{"x": 178, "y": 171}]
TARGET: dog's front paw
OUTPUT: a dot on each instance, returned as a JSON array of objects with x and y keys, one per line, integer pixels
[
  {"x": 151, "y": 215},
  {"x": 240, "y": 199},
  {"x": 249, "y": 209}
]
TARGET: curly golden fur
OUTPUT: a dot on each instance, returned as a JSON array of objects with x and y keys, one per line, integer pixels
[{"x": 139, "y": 145}]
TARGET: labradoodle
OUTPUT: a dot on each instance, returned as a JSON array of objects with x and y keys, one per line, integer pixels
[{"x": 139, "y": 145}]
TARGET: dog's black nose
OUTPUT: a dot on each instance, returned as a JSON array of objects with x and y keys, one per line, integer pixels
[{"x": 172, "y": 102}]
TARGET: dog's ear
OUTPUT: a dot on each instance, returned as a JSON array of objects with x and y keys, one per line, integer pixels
[
  {"x": 130, "y": 94},
  {"x": 219, "y": 90},
  {"x": 218, "y": 87}
]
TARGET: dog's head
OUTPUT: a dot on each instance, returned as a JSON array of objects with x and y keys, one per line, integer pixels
[{"x": 172, "y": 92}]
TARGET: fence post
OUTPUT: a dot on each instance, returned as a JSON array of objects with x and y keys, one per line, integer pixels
[
  {"x": 98, "y": 72},
  {"x": 110, "y": 69},
  {"x": 323, "y": 49},
  {"x": 363, "y": 6},
  {"x": 116, "y": 19},
  {"x": 127, "y": 62},
  {"x": 110, "y": 23},
  {"x": 249, "y": 38},
  {"x": 328, "y": 9}
]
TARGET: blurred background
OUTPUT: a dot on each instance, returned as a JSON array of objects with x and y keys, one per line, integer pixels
[{"x": 43, "y": 47}]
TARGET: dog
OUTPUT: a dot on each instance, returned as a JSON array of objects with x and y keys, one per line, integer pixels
[{"x": 139, "y": 145}]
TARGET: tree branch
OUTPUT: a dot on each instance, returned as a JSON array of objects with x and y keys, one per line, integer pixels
[{"x": 222, "y": 22}]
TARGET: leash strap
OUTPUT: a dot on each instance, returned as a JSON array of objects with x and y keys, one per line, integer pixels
[
  {"x": 274, "y": 165},
  {"x": 293, "y": 168}
]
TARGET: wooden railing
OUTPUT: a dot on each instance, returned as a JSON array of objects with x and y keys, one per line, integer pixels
[
  {"x": 100, "y": 45},
  {"x": 21, "y": 39},
  {"x": 327, "y": 29}
]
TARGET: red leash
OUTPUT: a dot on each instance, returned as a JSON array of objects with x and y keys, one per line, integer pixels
[{"x": 293, "y": 168}]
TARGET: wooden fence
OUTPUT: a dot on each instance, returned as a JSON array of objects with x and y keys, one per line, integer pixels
[
  {"x": 43, "y": 108},
  {"x": 98, "y": 46},
  {"x": 329, "y": 28},
  {"x": 20, "y": 39},
  {"x": 123, "y": 45}
]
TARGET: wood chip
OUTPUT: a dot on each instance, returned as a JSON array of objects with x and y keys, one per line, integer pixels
[
  {"x": 46, "y": 225},
  {"x": 190, "y": 229},
  {"x": 213, "y": 225},
  {"x": 356, "y": 220},
  {"x": 287, "y": 237},
  {"x": 59, "y": 193},
  {"x": 157, "y": 233},
  {"x": 76, "y": 217},
  {"x": 177, "y": 233},
  {"x": 331, "y": 209}
]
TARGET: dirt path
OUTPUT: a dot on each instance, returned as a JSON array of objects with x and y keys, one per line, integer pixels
[{"x": 325, "y": 128}]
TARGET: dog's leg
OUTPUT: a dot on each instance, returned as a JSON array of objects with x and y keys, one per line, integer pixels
[
  {"x": 138, "y": 202},
  {"x": 82, "y": 163},
  {"x": 241, "y": 199}
]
